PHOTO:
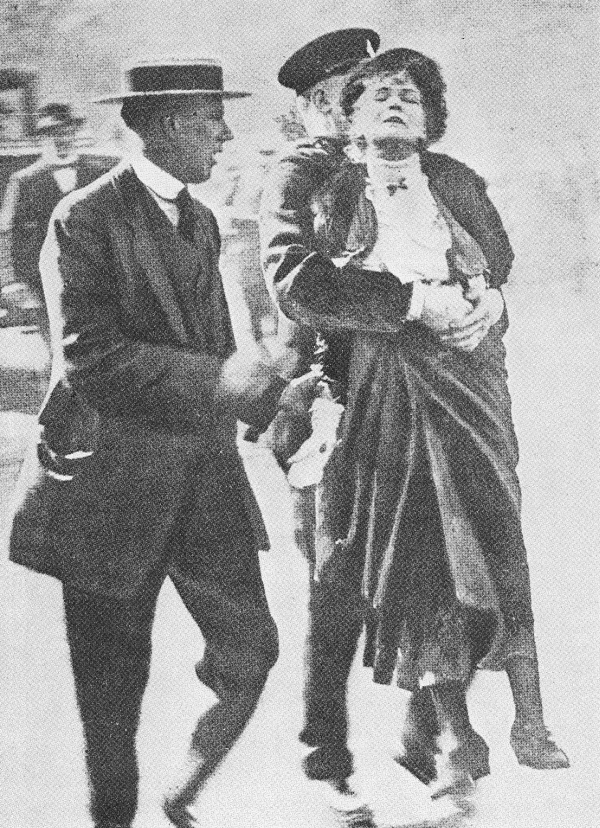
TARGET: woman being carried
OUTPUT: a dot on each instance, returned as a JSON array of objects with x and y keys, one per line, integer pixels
[{"x": 419, "y": 505}]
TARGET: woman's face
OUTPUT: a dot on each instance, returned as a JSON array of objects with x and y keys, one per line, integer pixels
[{"x": 390, "y": 108}]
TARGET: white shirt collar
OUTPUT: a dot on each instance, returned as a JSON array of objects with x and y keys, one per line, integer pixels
[
  {"x": 50, "y": 157},
  {"x": 161, "y": 182}
]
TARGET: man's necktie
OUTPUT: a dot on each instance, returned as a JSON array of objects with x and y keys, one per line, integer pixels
[{"x": 187, "y": 215}]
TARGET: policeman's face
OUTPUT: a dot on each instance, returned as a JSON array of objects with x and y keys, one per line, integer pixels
[
  {"x": 390, "y": 108},
  {"x": 197, "y": 132},
  {"x": 320, "y": 108}
]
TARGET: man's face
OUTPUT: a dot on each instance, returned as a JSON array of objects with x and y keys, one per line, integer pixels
[
  {"x": 390, "y": 108},
  {"x": 63, "y": 140},
  {"x": 321, "y": 113},
  {"x": 198, "y": 132}
]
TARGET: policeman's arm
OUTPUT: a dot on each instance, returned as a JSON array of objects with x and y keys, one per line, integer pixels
[
  {"x": 285, "y": 217},
  {"x": 313, "y": 291},
  {"x": 306, "y": 285}
]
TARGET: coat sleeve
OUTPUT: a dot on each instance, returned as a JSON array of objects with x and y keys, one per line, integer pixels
[
  {"x": 465, "y": 193},
  {"x": 495, "y": 244},
  {"x": 112, "y": 370},
  {"x": 307, "y": 286},
  {"x": 481, "y": 219},
  {"x": 285, "y": 221}
]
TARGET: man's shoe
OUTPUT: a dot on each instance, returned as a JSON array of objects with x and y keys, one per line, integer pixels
[
  {"x": 474, "y": 755},
  {"x": 350, "y": 809},
  {"x": 180, "y": 814},
  {"x": 417, "y": 759},
  {"x": 453, "y": 776},
  {"x": 453, "y": 781},
  {"x": 534, "y": 747}
]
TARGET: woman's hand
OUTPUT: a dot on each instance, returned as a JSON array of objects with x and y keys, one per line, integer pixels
[
  {"x": 470, "y": 332},
  {"x": 444, "y": 305},
  {"x": 477, "y": 286}
]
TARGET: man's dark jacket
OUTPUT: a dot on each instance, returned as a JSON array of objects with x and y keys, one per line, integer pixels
[{"x": 131, "y": 421}]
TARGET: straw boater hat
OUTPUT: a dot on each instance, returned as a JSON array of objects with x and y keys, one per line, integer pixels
[
  {"x": 172, "y": 76},
  {"x": 55, "y": 115}
]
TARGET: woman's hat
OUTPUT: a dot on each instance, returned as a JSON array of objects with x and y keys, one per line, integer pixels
[
  {"x": 172, "y": 76},
  {"x": 55, "y": 115},
  {"x": 330, "y": 54}
]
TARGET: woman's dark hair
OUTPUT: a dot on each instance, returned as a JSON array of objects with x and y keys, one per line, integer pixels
[{"x": 424, "y": 73}]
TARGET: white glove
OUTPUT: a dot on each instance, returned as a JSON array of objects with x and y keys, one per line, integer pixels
[{"x": 308, "y": 463}]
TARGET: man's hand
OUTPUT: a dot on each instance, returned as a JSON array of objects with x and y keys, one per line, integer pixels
[
  {"x": 469, "y": 333},
  {"x": 246, "y": 374},
  {"x": 443, "y": 306}
]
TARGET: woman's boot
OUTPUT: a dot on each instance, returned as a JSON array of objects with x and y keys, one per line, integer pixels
[{"x": 529, "y": 737}]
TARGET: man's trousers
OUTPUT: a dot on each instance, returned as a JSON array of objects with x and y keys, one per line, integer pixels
[{"x": 110, "y": 645}]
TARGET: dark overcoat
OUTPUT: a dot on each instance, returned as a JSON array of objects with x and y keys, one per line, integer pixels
[
  {"x": 133, "y": 440},
  {"x": 31, "y": 196}
]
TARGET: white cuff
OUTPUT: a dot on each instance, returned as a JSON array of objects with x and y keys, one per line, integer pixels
[{"x": 417, "y": 302}]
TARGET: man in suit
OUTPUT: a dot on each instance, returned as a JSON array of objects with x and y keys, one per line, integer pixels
[
  {"x": 138, "y": 476},
  {"x": 33, "y": 193}
]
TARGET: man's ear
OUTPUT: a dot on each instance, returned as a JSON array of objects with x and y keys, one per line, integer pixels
[
  {"x": 302, "y": 104},
  {"x": 168, "y": 127}
]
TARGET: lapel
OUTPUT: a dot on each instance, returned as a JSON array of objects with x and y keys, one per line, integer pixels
[
  {"x": 458, "y": 191},
  {"x": 83, "y": 173},
  {"x": 144, "y": 247},
  {"x": 208, "y": 250},
  {"x": 214, "y": 301},
  {"x": 463, "y": 192}
]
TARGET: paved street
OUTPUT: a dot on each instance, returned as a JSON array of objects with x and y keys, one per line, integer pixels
[{"x": 42, "y": 785}]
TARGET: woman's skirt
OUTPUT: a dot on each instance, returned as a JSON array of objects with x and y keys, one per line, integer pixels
[{"x": 422, "y": 495}]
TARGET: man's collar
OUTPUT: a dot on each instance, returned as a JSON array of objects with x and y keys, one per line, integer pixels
[
  {"x": 51, "y": 159},
  {"x": 161, "y": 182}
]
